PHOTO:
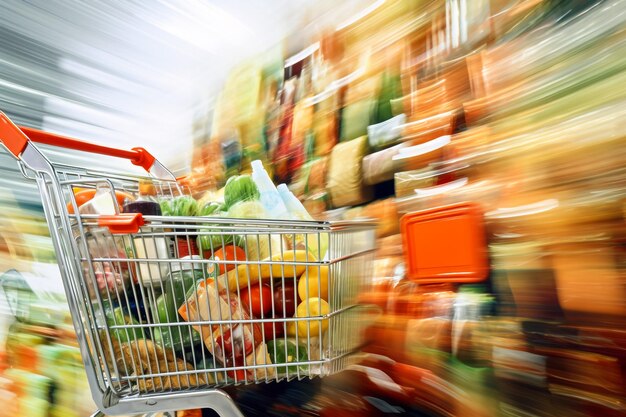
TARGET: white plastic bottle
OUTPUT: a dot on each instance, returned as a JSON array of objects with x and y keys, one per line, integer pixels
[
  {"x": 148, "y": 247},
  {"x": 296, "y": 209},
  {"x": 270, "y": 198}
]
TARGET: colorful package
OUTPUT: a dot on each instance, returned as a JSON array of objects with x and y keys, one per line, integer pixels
[{"x": 345, "y": 174}]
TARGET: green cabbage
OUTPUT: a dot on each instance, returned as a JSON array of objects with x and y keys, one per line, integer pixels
[
  {"x": 183, "y": 206},
  {"x": 166, "y": 207},
  {"x": 210, "y": 209},
  {"x": 257, "y": 246},
  {"x": 247, "y": 210},
  {"x": 240, "y": 188},
  {"x": 214, "y": 242}
]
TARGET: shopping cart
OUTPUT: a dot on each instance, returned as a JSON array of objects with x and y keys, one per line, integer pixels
[{"x": 121, "y": 270}]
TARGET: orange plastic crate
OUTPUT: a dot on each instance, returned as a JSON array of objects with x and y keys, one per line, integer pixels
[{"x": 445, "y": 244}]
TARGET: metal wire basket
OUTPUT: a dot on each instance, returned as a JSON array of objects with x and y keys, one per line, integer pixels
[{"x": 160, "y": 330}]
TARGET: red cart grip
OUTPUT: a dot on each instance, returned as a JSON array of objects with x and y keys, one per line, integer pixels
[
  {"x": 15, "y": 138},
  {"x": 122, "y": 223},
  {"x": 11, "y": 136}
]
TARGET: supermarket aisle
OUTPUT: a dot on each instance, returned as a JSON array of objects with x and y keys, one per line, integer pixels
[{"x": 486, "y": 139}]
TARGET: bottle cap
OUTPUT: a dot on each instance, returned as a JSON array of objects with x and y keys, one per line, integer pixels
[
  {"x": 256, "y": 165},
  {"x": 146, "y": 187},
  {"x": 186, "y": 266}
]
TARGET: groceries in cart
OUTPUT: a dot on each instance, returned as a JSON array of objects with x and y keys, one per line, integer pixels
[{"x": 241, "y": 297}]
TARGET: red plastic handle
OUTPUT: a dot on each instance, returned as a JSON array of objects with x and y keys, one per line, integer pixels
[
  {"x": 122, "y": 223},
  {"x": 138, "y": 156},
  {"x": 15, "y": 138},
  {"x": 11, "y": 136}
]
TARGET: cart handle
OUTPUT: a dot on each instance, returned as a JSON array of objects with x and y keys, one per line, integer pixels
[
  {"x": 15, "y": 138},
  {"x": 122, "y": 223}
]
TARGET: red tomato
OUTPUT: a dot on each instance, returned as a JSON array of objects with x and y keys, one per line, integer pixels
[
  {"x": 285, "y": 294},
  {"x": 258, "y": 298},
  {"x": 273, "y": 330},
  {"x": 227, "y": 253},
  {"x": 240, "y": 374}
]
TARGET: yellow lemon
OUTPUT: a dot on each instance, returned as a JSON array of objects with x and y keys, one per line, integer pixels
[
  {"x": 312, "y": 307},
  {"x": 291, "y": 328},
  {"x": 314, "y": 283}
]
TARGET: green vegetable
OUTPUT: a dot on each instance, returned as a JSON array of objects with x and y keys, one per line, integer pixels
[
  {"x": 166, "y": 309},
  {"x": 173, "y": 296},
  {"x": 211, "y": 243},
  {"x": 117, "y": 317},
  {"x": 243, "y": 204},
  {"x": 240, "y": 188},
  {"x": 251, "y": 209},
  {"x": 167, "y": 305},
  {"x": 209, "y": 209},
  {"x": 257, "y": 247},
  {"x": 281, "y": 353},
  {"x": 166, "y": 207},
  {"x": 183, "y": 205},
  {"x": 182, "y": 337}
]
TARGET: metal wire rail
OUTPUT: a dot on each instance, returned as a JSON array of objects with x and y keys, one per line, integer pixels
[{"x": 160, "y": 333}]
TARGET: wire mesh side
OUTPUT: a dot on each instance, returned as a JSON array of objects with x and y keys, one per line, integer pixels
[{"x": 203, "y": 330}]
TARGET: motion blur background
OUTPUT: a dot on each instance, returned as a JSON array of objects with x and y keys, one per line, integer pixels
[{"x": 366, "y": 109}]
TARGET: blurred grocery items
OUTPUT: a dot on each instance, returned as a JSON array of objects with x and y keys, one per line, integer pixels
[
  {"x": 510, "y": 107},
  {"x": 345, "y": 179},
  {"x": 485, "y": 138},
  {"x": 380, "y": 166},
  {"x": 41, "y": 354}
]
